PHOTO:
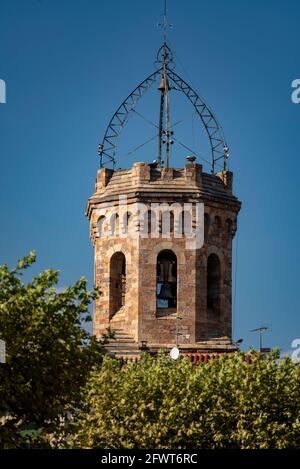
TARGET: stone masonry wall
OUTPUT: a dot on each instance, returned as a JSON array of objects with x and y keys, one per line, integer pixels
[{"x": 139, "y": 317}]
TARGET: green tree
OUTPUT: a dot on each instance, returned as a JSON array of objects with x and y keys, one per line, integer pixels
[
  {"x": 156, "y": 403},
  {"x": 49, "y": 353}
]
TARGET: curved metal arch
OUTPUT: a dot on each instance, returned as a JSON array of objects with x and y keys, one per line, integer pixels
[
  {"x": 107, "y": 149},
  {"x": 219, "y": 149},
  {"x": 214, "y": 131}
]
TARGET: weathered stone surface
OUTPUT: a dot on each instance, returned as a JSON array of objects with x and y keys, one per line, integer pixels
[{"x": 138, "y": 316}]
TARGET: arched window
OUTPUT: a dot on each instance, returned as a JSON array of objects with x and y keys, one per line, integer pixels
[
  {"x": 172, "y": 221},
  {"x": 217, "y": 226},
  {"x": 167, "y": 222},
  {"x": 166, "y": 280},
  {"x": 151, "y": 222},
  {"x": 206, "y": 226},
  {"x": 117, "y": 282},
  {"x": 100, "y": 225},
  {"x": 114, "y": 224},
  {"x": 229, "y": 227},
  {"x": 213, "y": 282},
  {"x": 186, "y": 223},
  {"x": 127, "y": 219}
]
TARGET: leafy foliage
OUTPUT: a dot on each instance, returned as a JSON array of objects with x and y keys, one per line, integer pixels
[
  {"x": 158, "y": 403},
  {"x": 49, "y": 354}
]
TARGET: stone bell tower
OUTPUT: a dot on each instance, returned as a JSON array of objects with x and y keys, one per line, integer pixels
[
  {"x": 150, "y": 278},
  {"x": 163, "y": 236}
]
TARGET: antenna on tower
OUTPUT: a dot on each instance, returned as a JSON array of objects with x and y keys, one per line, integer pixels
[
  {"x": 164, "y": 132},
  {"x": 261, "y": 330}
]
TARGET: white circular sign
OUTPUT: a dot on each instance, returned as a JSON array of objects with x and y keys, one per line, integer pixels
[{"x": 174, "y": 353}]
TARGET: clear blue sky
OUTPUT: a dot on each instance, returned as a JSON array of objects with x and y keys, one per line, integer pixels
[{"x": 69, "y": 64}]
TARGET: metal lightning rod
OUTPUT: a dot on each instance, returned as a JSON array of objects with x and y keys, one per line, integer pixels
[{"x": 164, "y": 135}]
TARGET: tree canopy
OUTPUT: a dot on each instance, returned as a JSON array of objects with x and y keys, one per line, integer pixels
[
  {"x": 56, "y": 385},
  {"x": 49, "y": 354},
  {"x": 158, "y": 403}
]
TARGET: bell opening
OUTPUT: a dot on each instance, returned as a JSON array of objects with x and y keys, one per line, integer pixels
[{"x": 166, "y": 284}]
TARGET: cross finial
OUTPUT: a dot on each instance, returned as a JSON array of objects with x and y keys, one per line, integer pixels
[{"x": 165, "y": 24}]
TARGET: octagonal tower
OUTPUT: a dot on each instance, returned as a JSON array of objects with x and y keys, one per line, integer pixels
[
  {"x": 156, "y": 287},
  {"x": 163, "y": 236}
]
